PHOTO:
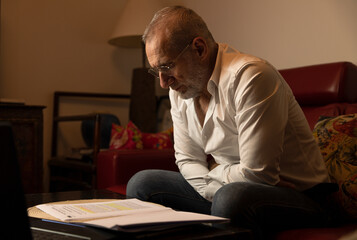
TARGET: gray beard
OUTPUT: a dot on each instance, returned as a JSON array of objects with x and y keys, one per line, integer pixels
[
  {"x": 190, "y": 93},
  {"x": 196, "y": 86}
]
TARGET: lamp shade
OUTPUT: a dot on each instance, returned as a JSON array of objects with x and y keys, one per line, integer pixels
[{"x": 136, "y": 15}]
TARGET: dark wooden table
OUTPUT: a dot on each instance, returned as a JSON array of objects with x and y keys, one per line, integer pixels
[{"x": 194, "y": 231}]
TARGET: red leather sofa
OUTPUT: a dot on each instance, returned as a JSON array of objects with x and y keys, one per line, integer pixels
[
  {"x": 321, "y": 90},
  {"x": 324, "y": 90},
  {"x": 116, "y": 167}
]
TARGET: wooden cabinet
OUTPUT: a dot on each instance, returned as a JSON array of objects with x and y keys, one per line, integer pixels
[{"x": 27, "y": 122}]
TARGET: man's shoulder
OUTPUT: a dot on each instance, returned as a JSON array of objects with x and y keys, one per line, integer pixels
[
  {"x": 233, "y": 56},
  {"x": 232, "y": 61}
]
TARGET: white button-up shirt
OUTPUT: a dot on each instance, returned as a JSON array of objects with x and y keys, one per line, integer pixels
[{"x": 254, "y": 129}]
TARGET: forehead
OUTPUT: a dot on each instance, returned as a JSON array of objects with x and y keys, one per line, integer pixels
[{"x": 157, "y": 51}]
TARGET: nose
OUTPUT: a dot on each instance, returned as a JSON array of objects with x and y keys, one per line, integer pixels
[{"x": 165, "y": 80}]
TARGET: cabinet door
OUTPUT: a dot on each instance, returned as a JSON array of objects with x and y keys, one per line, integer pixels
[{"x": 27, "y": 123}]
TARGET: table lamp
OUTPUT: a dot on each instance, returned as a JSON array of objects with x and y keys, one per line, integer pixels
[{"x": 136, "y": 15}]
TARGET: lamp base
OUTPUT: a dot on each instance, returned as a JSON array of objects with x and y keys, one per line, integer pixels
[{"x": 142, "y": 110}]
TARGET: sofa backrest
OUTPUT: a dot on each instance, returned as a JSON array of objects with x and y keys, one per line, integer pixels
[
  {"x": 325, "y": 89},
  {"x": 323, "y": 84}
]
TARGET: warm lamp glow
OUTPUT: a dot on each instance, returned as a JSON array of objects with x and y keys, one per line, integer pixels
[{"x": 135, "y": 17}]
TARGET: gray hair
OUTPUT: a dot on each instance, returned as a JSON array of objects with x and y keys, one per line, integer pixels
[{"x": 181, "y": 25}]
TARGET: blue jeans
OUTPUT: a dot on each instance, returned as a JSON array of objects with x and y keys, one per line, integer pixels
[{"x": 261, "y": 208}]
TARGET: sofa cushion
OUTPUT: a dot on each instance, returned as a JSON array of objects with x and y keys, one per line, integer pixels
[
  {"x": 161, "y": 140},
  {"x": 337, "y": 139},
  {"x": 313, "y": 113},
  {"x": 128, "y": 137},
  {"x": 116, "y": 167},
  {"x": 350, "y": 108},
  {"x": 332, "y": 233}
]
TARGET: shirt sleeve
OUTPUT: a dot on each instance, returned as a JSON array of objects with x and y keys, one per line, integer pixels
[
  {"x": 190, "y": 157},
  {"x": 261, "y": 106}
]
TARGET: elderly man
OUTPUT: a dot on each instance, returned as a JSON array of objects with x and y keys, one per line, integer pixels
[{"x": 242, "y": 144}]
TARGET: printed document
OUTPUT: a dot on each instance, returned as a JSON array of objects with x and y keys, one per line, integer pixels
[
  {"x": 81, "y": 211},
  {"x": 130, "y": 215}
]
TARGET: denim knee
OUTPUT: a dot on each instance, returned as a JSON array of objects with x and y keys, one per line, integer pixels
[
  {"x": 232, "y": 200},
  {"x": 136, "y": 185},
  {"x": 237, "y": 201}
]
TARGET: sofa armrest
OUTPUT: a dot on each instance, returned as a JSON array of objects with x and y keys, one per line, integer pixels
[{"x": 116, "y": 167}]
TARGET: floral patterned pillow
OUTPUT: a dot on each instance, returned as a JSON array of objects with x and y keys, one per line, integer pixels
[
  {"x": 128, "y": 137},
  {"x": 161, "y": 140},
  {"x": 337, "y": 139}
]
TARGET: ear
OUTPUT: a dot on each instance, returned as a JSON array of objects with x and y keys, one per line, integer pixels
[{"x": 200, "y": 45}]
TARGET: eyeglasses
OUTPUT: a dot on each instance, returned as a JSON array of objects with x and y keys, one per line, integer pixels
[{"x": 166, "y": 68}]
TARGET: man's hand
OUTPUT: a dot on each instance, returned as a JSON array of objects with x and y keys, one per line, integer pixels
[{"x": 211, "y": 162}]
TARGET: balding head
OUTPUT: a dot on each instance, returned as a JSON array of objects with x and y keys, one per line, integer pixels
[{"x": 177, "y": 26}]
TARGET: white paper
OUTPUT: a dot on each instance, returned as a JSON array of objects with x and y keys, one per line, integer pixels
[
  {"x": 80, "y": 211},
  {"x": 158, "y": 219},
  {"x": 129, "y": 215}
]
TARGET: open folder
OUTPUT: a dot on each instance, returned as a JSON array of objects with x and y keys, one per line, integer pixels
[{"x": 129, "y": 215}]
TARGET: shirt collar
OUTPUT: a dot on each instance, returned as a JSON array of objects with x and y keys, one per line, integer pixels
[{"x": 214, "y": 79}]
